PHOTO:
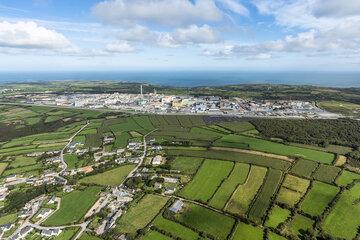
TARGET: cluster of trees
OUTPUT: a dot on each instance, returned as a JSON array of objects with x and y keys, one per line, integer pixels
[{"x": 311, "y": 131}]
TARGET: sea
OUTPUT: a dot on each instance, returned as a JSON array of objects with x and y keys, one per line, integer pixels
[{"x": 194, "y": 78}]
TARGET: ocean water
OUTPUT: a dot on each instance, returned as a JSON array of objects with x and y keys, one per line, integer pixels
[{"x": 195, "y": 78}]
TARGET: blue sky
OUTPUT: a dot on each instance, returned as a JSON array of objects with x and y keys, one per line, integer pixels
[{"x": 179, "y": 35}]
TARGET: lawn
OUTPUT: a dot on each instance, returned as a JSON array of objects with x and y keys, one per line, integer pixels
[
  {"x": 292, "y": 189},
  {"x": 298, "y": 225},
  {"x": 10, "y": 218},
  {"x": 304, "y": 168},
  {"x": 237, "y": 127},
  {"x": 2, "y": 167},
  {"x": 263, "y": 200},
  {"x": 141, "y": 214},
  {"x": 326, "y": 173},
  {"x": 175, "y": 229},
  {"x": 319, "y": 196},
  {"x": 206, "y": 220},
  {"x": 67, "y": 234},
  {"x": 186, "y": 165},
  {"x": 281, "y": 149},
  {"x": 207, "y": 180},
  {"x": 74, "y": 206},
  {"x": 346, "y": 177},
  {"x": 343, "y": 221},
  {"x": 71, "y": 160},
  {"x": 237, "y": 177},
  {"x": 244, "y": 194},
  {"x": 246, "y": 232},
  {"x": 154, "y": 235},
  {"x": 112, "y": 177},
  {"x": 277, "y": 215}
]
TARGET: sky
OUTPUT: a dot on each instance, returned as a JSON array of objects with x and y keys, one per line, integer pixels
[{"x": 254, "y": 35}]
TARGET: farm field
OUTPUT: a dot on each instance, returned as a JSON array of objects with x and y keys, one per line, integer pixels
[
  {"x": 112, "y": 177},
  {"x": 347, "y": 177},
  {"x": 277, "y": 215},
  {"x": 67, "y": 234},
  {"x": 267, "y": 191},
  {"x": 292, "y": 189},
  {"x": 298, "y": 225},
  {"x": 244, "y": 231},
  {"x": 237, "y": 177},
  {"x": 154, "y": 235},
  {"x": 139, "y": 215},
  {"x": 281, "y": 149},
  {"x": 175, "y": 229},
  {"x": 304, "y": 168},
  {"x": 319, "y": 196},
  {"x": 2, "y": 167},
  {"x": 188, "y": 165},
  {"x": 73, "y": 206},
  {"x": 343, "y": 220},
  {"x": 240, "y": 200},
  {"x": 326, "y": 173},
  {"x": 217, "y": 225},
  {"x": 207, "y": 180}
]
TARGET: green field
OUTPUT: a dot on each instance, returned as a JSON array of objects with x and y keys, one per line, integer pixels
[
  {"x": 237, "y": 127},
  {"x": 277, "y": 215},
  {"x": 187, "y": 165},
  {"x": 67, "y": 234},
  {"x": 207, "y": 180},
  {"x": 154, "y": 235},
  {"x": 292, "y": 189},
  {"x": 10, "y": 218},
  {"x": 326, "y": 173},
  {"x": 304, "y": 168},
  {"x": 319, "y": 196},
  {"x": 245, "y": 231},
  {"x": 237, "y": 177},
  {"x": 141, "y": 214},
  {"x": 343, "y": 220},
  {"x": 244, "y": 194},
  {"x": 346, "y": 177},
  {"x": 21, "y": 161},
  {"x": 2, "y": 167},
  {"x": 281, "y": 149},
  {"x": 263, "y": 200},
  {"x": 298, "y": 225},
  {"x": 71, "y": 160},
  {"x": 111, "y": 177},
  {"x": 74, "y": 206},
  {"x": 206, "y": 220},
  {"x": 274, "y": 236},
  {"x": 175, "y": 229}
]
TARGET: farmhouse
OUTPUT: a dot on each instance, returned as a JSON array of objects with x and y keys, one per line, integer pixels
[
  {"x": 50, "y": 232},
  {"x": 157, "y": 160},
  {"x": 177, "y": 206},
  {"x": 45, "y": 212}
]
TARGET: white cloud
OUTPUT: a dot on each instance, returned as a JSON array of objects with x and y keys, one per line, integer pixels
[
  {"x": 29, "y": 35},
  {"x": 235, "y": 7},
  {"x": 192, "y": 34},
  {"x": 163, "y": 12},
  {"x": 336, "y": 8},
  {"x": 119, "y": 47},
  {"x": 195, "y": 34}
]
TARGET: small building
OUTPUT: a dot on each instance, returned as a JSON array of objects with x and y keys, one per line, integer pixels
[
  {"x": 87, "y": 169},
  {"x": 170, "y": 190},
  {"x": 52, "y": 200},
  {"x": 177, "y": 206},
  {"x": 44, "y": 212},
  {"x": 157, "y": 160},
  {"x": 50, "y": 232},
  {"x": 157, "y": 185},
  {"x": 6, "y": 227}
]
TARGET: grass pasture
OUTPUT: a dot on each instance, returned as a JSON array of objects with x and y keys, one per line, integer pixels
[
  {"x": 141, "y": 214},
  {"x": 298, "y": 225},
  {"x": 277, "y": 215},
  {"x": 274, "y": 236},
  {"x": 319, "y": 196},
  {"x": 237, "y": 177},
  {"x": 292, "y": 189},
  {"x": 281, "y": 149},
  {"x": 304, "y": 168},
  {"x": 326, "y": 173},
  {"x": 111, "y": 177},
  {"x": 207, "y": 180},
  {"x": 175, "y": 229},
  {"x": 154, "y": 235},
  {"x": 343, "y": 221},
  {"x": 237, "y": 127},
  {"x": 187, "y": 165},
  {"x": 21, "y": 161},
  {"x": 2, "y": 167},
  {"x": 206, "y": 220},
  {"x": 240, "y": 200},
  {"x": 68, "y": 234},
  {"x": 267, "y": 191},
  {"x": 73, "y": 206},
  {"x": 245, "y": 231},
  {"x": 347, "y": 177},
  {"x": 72, "y": 161}
]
